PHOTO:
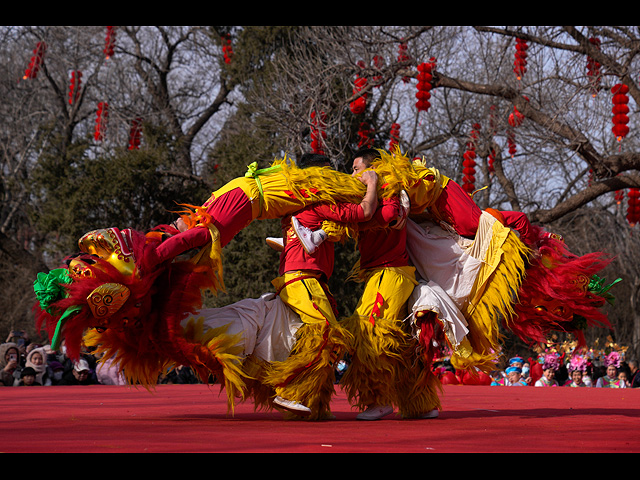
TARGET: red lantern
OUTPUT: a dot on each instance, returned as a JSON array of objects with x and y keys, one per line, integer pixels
[
  {"x": 74, "y": 86},
  {"x": 491, "y": 160},
  {"x": 359, "y": 105},
  {"x": 365, "y": 132},
  {"x": 633, "y": 206},
  {"x": 620, "y": 110},
  {"x": 593, "y": 69},
  {"x": 469, "y": 162},
  {"x": 110, "y": 42},
  {"x": 395, "y": 135},
  {"x": 378, "y": 64},
  {"x": 520, "y": 62},
  {"x": 317, "y": 132},
  {"x": 135, "y": 133},
  {"x": 403, "y": 57},
  {"x": 516, "y": 118},
  {"x": 425, "y": 84},
  {"x": 102, "y": 115},
  {"x": 36, "y": 61},
  {"x": 227, "y": 50}
]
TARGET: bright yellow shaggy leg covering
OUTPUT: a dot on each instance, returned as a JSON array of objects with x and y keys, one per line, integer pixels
[
  {"x": 308, "y": 375},
  {"x": 375, "y": 361}
]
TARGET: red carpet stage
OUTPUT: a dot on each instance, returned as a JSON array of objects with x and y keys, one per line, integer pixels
[{"x": 193, "y": 418}]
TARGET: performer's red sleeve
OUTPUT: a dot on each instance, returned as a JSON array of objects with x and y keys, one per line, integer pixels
[
  {"x": 193, "y": 238},
  {"x": 388, "y": 211}
]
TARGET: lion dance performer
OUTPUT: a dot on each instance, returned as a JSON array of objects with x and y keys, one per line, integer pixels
[
  {"x": 384, "y": 371},
  {"x": 127, "y": 293},
  {"x": 484, "y": 269}
]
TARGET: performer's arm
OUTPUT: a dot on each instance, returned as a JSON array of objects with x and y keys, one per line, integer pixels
[
  {"x": 370, "y": 202},
  {"x": 384, "y": 215},
  {"x": 196, "y": 237}
]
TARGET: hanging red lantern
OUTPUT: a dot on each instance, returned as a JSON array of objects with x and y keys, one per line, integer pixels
[
  {"x": 378, "y": 64},
  {"x": 102, "y": 116},
  {"x": 633, "y": 206},
  {"x": 403, "y": 57},
  {"x": 425, "y": 84},
  {"x": 395, "y": 135},
  {"x": 491, "y": 160},
  {"x": 516, "y": 118},
  {"x": 359, "y": 105},
  {"x": 110, "y": 42},
  {"x": 520, "y": 62},
  {"x": 75, "y": 86},
  {"x": 227, "y": 49},
  {"x": 365, "y": 132},
  {"x": 135, "y": 132},
  {"x": 593, "y": 69},
  {"x": 620, "y": 110},
  {"x": 36, "y": 61},
  {"x": 317, "y": 132},
  {"x": 469, "y": 162}
]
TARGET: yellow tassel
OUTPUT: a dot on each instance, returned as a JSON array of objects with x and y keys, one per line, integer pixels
[
  {"x": 308, "y": 375},
  {"x": 495, "y": 291},
  {"x": 375, "y": 361},
  {"x": 222, "y": 349},
  {"x": 219, "y": 357},
  {"x": 255, "y": 370},
  {"x": 418, "y": 388}
]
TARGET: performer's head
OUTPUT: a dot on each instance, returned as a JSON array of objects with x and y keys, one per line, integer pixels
[{"x": 363, "y": 159}]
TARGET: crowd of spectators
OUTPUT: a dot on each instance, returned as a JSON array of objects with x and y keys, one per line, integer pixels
[
  {"x": 611, "y": 372},
  {"x": 23, "y": 363}
]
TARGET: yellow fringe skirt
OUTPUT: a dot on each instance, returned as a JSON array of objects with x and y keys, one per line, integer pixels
[
  {"x": 384, "y": 367},
  {"x": 308, "y": 375}
]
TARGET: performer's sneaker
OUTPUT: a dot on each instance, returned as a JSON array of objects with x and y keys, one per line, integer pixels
[
  {"x": 305, "y": 235},
  {"x": 276, "y": 243},
  {"x": 291, "y": 406},
  {"x": 375, "y": 412},
  {"x": 432, "y": 414}
]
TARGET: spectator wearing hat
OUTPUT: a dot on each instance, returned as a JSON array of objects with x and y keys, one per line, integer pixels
[
  {"x": 516, "y": 362},
  {"x": 577, "y": 367},
  {"x": 37, "y": 360},
  {"x": 80, "y": 374},
  {"x": 514, "y": 377},
  {"x": 610, "y": 379},
  {"x": 56, "y": 372},
  {"x": 550, "y": 364}
]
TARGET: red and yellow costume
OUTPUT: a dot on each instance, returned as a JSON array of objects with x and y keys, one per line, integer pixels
[
  {"x": 128, "y": 293},
  {"x": 521, "y": 273},
  {"x": 308, "y": 375},
  {"x": 499, "y": 278},
  {"x": 384, "y": 369}
]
